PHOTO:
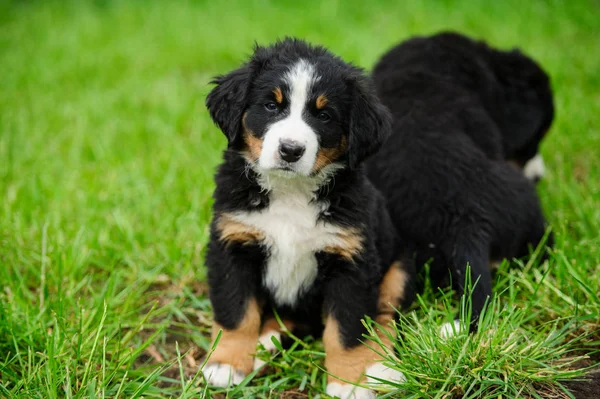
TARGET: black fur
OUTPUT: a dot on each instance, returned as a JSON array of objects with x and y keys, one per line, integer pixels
[
  {"x": 461, "y": 109},
  {"x": 346, "y": 289},
  {"x": 227, "y": 101},
  {"x": 367, "y": 128}
]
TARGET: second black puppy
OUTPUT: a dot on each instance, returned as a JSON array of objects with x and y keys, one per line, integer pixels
[{"x": 460, "y": 110}]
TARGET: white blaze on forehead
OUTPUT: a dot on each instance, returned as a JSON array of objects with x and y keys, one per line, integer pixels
[
  {"x": 534, "y": 168},
  {"x": 299, "y": 79}
]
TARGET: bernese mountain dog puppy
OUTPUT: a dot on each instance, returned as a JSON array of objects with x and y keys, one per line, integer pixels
[
  {"x": 297, "y": 228},
  {"x": 461, "y": 111}
]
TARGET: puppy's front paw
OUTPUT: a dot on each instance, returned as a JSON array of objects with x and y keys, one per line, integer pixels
[
  {"x": 266, "y": 341},
  {"x": 379, "y": 372},
  {"x": 222, "y": 375},
  {"x": 348, "y": 391},
  {"x": 449, "y": 330}
]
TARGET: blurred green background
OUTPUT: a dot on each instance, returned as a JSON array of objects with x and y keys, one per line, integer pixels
[{"x": 107, "y": 156}]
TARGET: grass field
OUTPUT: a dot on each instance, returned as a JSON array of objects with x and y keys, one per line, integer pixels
[{"x": 106, "y": 162}]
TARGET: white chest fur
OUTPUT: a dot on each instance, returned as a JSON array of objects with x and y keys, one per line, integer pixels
[{"x": 292, "y": 234}]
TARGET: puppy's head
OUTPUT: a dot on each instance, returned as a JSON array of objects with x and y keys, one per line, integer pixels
[
  {"x": 295, "y": 109},
  {"x": 527, "y": 109}
]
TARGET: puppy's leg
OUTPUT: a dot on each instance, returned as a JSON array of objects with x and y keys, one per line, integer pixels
[
  {"x": 271, "y": 329},
  {"x": 348, "y": 299},
  {"x": 233, "y": 281},
  {"x": 469, "y": 255},
  {"x": 233, "y": 358},
  {"x": 395, "y": 290},
  {"x": 345, "y": 361}
]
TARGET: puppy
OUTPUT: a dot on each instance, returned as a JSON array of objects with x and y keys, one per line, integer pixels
[
  {"x": 297, "y": 227},
  {"x": 460, "y": 110}
]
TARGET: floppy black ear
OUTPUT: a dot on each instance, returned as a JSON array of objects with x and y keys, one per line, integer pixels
[
  {"x": 370, "y": 122},
  {"x": 228, "y": 100}
]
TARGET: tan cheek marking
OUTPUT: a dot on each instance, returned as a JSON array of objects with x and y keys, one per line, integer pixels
[
  {"x": 237, "y": 347},
  {"x": 253, "y": 143},
  {"x": 344, "y": 364},
  {"x": 278, "y": 95},
  {"x": 321, "y": 101},
  {"x": 326, "y": 156},
  {"x": 233, "y": 231},
  {"x": 350, "y": 244}
]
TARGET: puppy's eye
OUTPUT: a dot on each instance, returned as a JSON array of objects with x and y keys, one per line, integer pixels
[
  {"x": 323, "y": 116},
  {"x": 271, "y": 106}
]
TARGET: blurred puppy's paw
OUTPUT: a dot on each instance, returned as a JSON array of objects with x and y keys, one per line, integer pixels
[
  {"x": 450, "y": 329},
  {"x": 222, "y": 375}
]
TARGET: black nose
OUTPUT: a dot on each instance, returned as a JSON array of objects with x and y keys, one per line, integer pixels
[{"x": 290, "y": 151}]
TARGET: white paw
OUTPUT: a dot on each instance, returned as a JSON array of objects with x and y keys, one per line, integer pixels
[
  {"x": 222, "y": 375},
  {"x": 379, "y": 371},
  {"x": 535, "y": 169},
  {"x": 348, "y": 391},
  {"x": 450, "y": 329},
  {"x": 268, "y": 344}
]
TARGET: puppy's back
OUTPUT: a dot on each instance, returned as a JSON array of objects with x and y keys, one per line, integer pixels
[{"x": 448, "y": 68}]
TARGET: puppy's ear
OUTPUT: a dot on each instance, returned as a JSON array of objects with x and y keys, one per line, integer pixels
[
  {"x": 370, "y": 122},
  {"x": 228, "y": 100}
]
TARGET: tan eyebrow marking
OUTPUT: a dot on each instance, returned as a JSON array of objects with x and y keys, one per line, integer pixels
[
  {"x": 278, "y": 95},
  {"x": 321, "y": 101},
  {"x": 325, "y": 156}
]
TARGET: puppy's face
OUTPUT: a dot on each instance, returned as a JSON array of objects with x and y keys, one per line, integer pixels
[
  {"x": 297, "y": 110},
  {"x": 526, "y": 111},
  {"x": 297, "y": 119}
]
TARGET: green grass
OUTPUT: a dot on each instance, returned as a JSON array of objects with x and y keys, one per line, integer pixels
[{"x": 106, "y": 163}]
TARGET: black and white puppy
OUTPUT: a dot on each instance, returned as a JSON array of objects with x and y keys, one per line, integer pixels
[
  {"x": 462, "y": 109},
  {"x": 297, "y": 227}
]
